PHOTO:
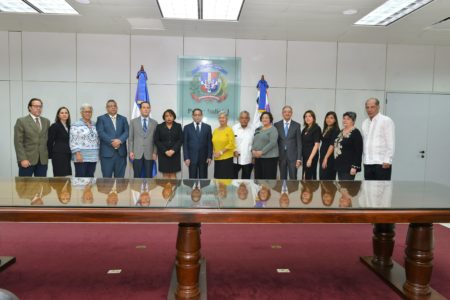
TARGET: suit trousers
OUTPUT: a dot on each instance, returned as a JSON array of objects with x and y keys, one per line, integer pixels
[
  {"x": 113, "y": 166},
  {"x": 287, "y": 166},
  {"x": 377, "y": 172},
  {"x": 38, "y": 170},
  {"x": 246, "y": 171},
  {"x": 143, "y": 168},
  {"x": 198, "y": 170}
]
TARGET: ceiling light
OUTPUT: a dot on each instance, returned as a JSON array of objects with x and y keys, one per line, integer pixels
[
  {"x": 349, "y": 12},
  {"x": 179, "y": 9},
  {"x": 16, "y": 6},
  {"x": 222, "y": 9},
  {"x": 83, "y": 1},
  {"x": 391, "y": 11},
  {"x": 53, "y": 6}
]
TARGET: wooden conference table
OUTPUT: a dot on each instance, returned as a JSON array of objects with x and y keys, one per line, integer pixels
[{"x": 191, "y": 202}]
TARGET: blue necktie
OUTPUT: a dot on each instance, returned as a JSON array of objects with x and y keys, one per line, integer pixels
[
  {"x": 145, "y": 126},
  {"x": 197, "y": 128},
  {"x": 286, "y": 128}
]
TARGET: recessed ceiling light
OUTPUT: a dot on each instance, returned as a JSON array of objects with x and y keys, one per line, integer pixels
[
  {"x": 53, "y": 6},
  {"x": 179, "y": 9},
  {"x": 16, "y": 6},
  {"x": 349, "y": 12},
  {"x": 391, "y": 11},
  {"x": 228, "y": 10}
]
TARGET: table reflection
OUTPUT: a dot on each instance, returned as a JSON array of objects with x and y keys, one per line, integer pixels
[
  {"x": 221, "y": 193},
  {"x": 32, "y": 190},
  {"x": 308, "y": 188},
  {"x": 328, "y": 191},
  {"x": 112, "y": 188},
  {"x": 63, "y": 189},
  {"x": 141, "y": 191}
]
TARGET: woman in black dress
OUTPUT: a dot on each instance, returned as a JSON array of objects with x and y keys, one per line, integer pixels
[
  {"x": 310, "y": 145},
  {"x": 348, "y": 149},
  {"x": 58, "y": 143},
  {"x": 169, "y": 139},
  {"x": 329, "y": 134}
]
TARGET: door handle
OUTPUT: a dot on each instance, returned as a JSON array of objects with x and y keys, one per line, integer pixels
[{"x": 422, "y": 152}]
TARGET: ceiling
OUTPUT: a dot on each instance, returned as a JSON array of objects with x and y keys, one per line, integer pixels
[{"x": 308, "y": 20}]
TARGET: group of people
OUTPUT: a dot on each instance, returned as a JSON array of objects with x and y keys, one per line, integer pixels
[{"x": 235, "y": 150}]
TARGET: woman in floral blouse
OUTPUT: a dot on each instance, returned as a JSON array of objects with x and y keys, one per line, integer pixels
[
  {"x": 348, "y": 149},
  {"x": 84, "y": 143}
]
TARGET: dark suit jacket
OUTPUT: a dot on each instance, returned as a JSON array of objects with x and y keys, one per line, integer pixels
[
  {"x": 293, "y": 141},
  {"x": 107, "y": 133},
  {"x": 58, "y": 139},
  {"x": 30, "y": 142},
  {"x": 197, "y": 148}
]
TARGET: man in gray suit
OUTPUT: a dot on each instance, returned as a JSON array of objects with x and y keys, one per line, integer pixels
[
  {"x": 141, "y": 143},
  {"x": 30, "y": 141},
  {"x": 289, "y": 144}
]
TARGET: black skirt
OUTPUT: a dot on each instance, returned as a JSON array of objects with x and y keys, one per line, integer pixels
[
  {"x": 61, "y": 164},
  {"x": 224, "y": 169},
  {"x": 169, "y": 164}
]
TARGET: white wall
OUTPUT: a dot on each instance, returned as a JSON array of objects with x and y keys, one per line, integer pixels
[{"x": 71, "y": 69}]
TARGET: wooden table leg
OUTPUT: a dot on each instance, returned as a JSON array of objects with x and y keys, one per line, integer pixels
[
  {"x": 419, "y": 259},
  {"x": 188, "y": 261},
  {"x": 383, "y": 244},
  {"x": 411, "y": 282}
]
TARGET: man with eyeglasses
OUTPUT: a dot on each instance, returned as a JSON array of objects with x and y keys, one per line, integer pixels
[{"x": 30, "y": 141}]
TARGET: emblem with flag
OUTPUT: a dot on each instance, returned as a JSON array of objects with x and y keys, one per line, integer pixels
[
  {"x": 141, "y": 97},
  {"x": 262, "y": 100}
]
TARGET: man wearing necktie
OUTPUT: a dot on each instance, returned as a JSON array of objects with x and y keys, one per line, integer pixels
[
  {"x": 197, "y": 146},
  {"x": 289, "y": 144},
  {"x": 30, "y": 141},
  {"x": 141, "y": 142},
  {"x": 112, "y": 130}
]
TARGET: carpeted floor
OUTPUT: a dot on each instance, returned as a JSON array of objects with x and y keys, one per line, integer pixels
[{"x": 70, "y": 261}]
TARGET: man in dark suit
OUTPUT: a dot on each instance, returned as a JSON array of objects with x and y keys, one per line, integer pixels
[
  {"x": 112, "y": 130},
  {"x": 30, "y": 141},
  {"x": 197, "y": 146},
  {"x": 289, "y": 144}
]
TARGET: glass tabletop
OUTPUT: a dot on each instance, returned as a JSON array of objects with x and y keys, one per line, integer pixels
[{"x": 222, "y": 194}]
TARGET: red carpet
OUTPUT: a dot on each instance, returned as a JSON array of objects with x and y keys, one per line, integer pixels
[{"x": 70, "y": 261}]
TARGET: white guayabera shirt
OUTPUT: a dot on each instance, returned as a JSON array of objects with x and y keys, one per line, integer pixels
[
  {"x": 244, "y": 141},
  {"x": 379, "y": 140}
]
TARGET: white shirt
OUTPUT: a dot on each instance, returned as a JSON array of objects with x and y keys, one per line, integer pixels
[
  {"x": 379, "y": 140},
  {"x": 199, "y": 126},
  {"x": 244, "y": 140},
  {"x": 34, "y": 119},
  {"x": 142, "y": 121}
]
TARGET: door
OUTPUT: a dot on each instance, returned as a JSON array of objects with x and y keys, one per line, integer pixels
[
  {"x": 410, "y": 113},
  {"x": 438, "y": 142}
]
